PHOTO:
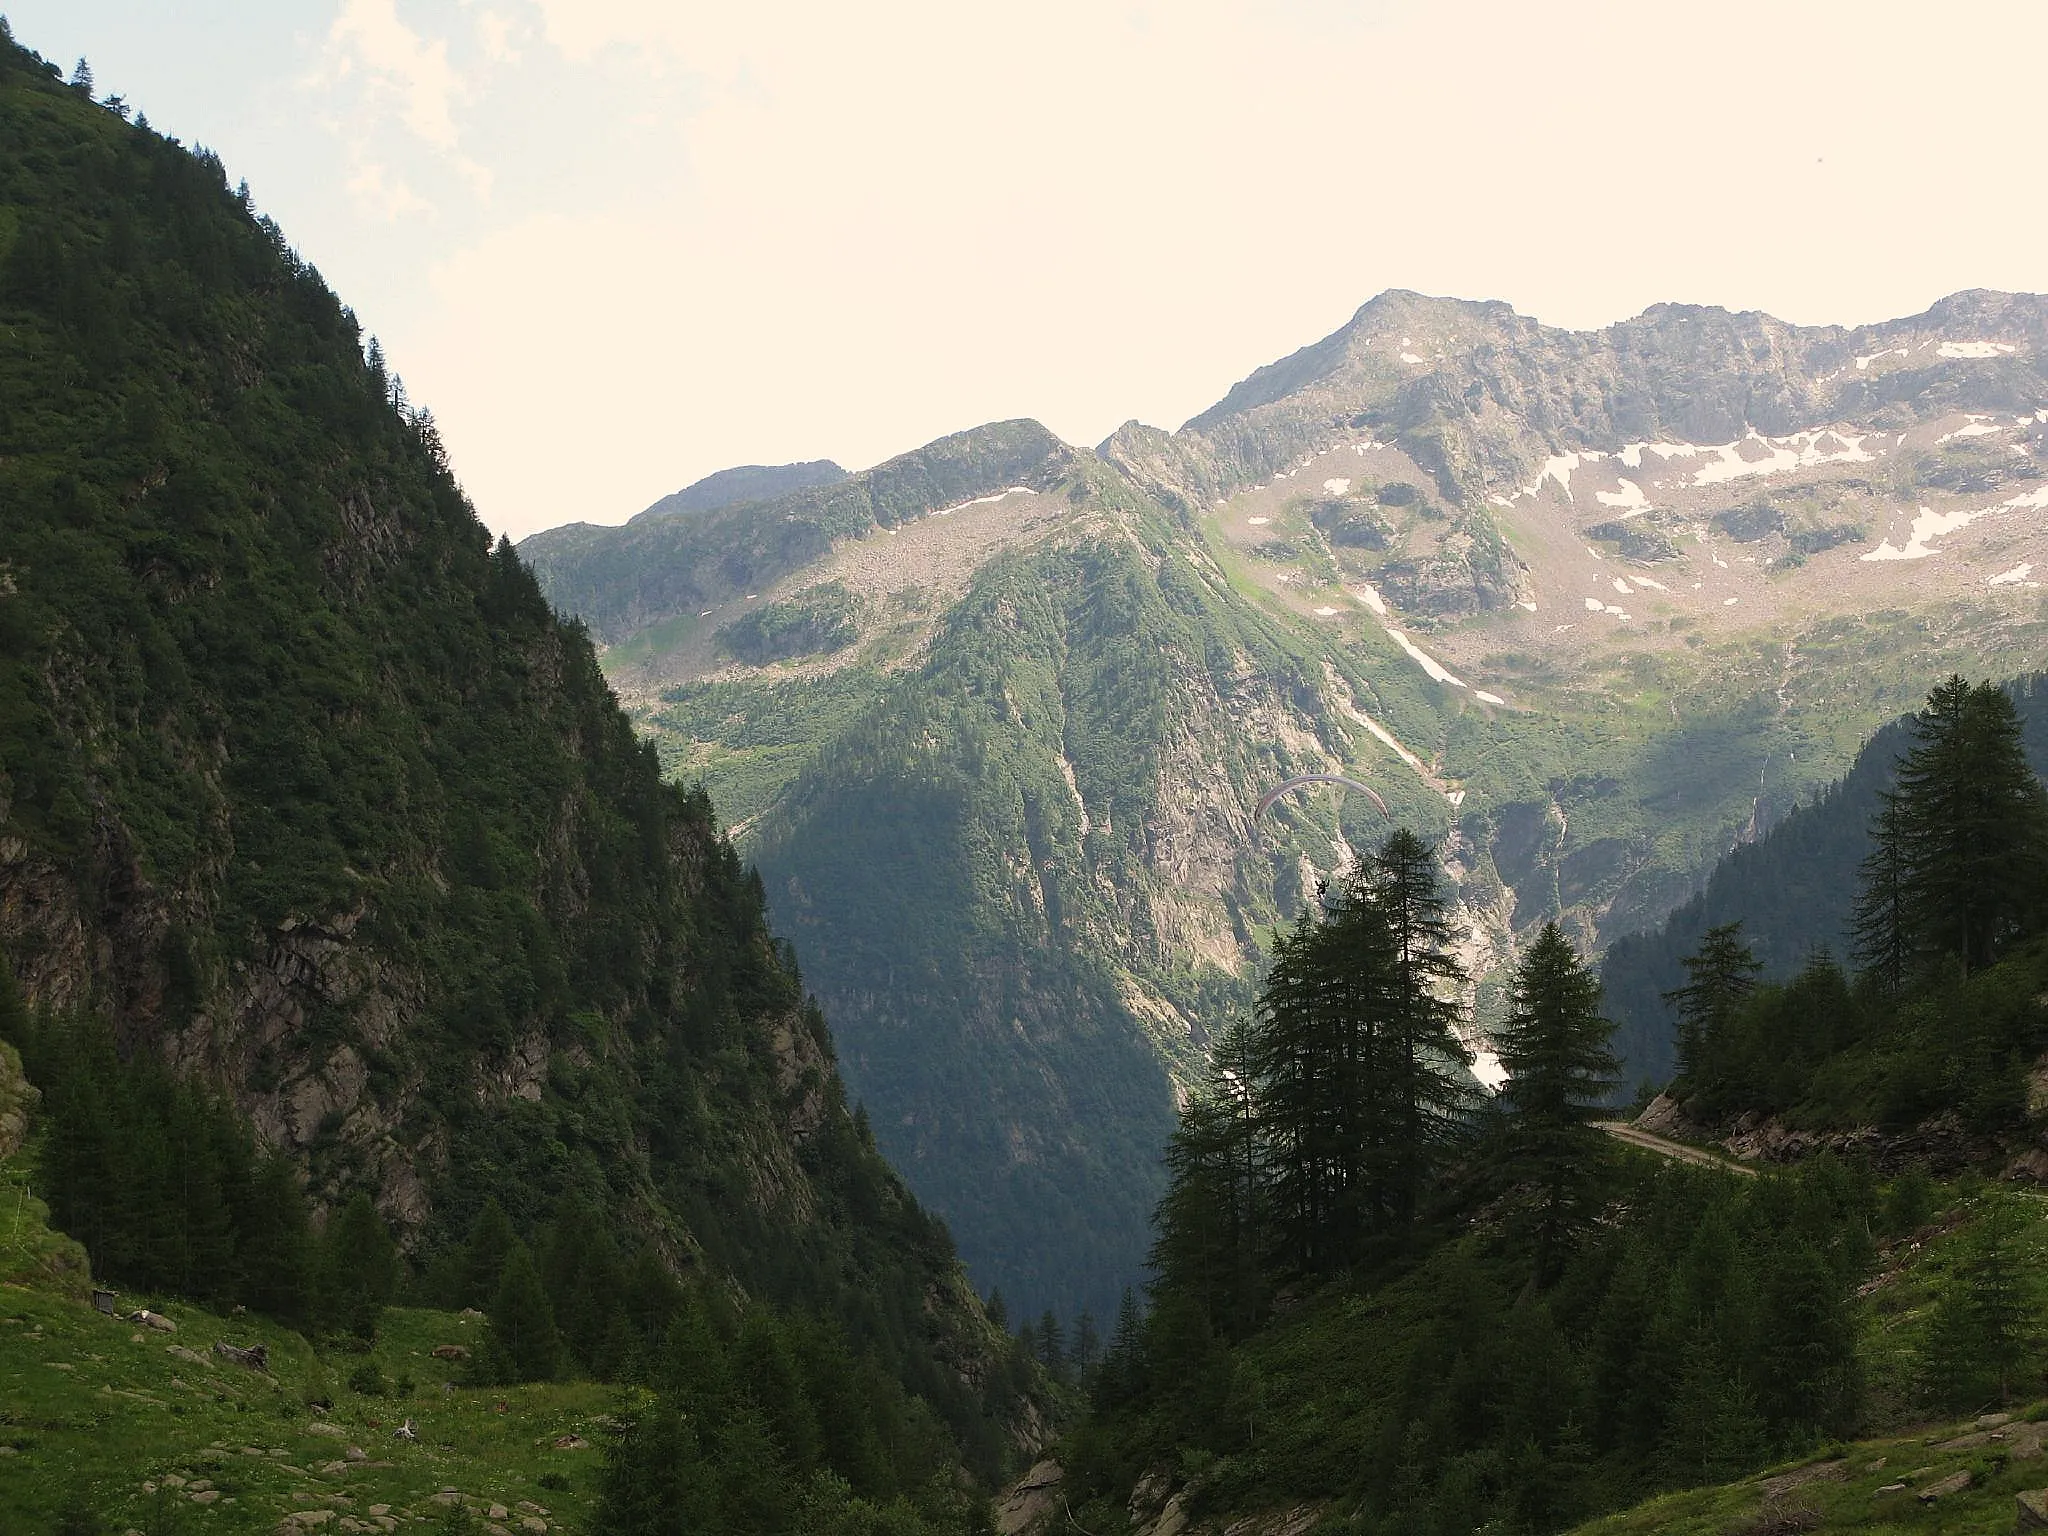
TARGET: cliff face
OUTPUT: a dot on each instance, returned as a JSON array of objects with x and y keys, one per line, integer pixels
[{"x": 304, "y": 787}]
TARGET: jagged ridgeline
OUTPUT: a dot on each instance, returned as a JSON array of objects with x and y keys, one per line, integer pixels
[
  {"x": 1592, "y": 608},
  {"x": 1793, "y": 890},
  {"x": 305, "y": 790}
]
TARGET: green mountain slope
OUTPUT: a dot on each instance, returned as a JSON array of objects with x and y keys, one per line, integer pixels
[
  {"x": 1038, "y": 836},
  {"x": 304, "y": 788},
  {"x": 1619, "y": 600},
  {"x": 747, "y": 482},
  {"x": 1792, "y": 890}
]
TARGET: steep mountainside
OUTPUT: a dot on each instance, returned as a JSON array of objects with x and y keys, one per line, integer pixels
[
  {"x": 1792, "y": 890},
  {"x": 304, "y": 787},
  {"x": 1593, "y": 607}
]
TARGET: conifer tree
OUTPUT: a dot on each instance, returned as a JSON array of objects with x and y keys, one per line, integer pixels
[
  {"x": 520, "y": 1343},
  {"x": 1353, "y": 1059},
  {"x": 1209, "y": 1235},
  {"x": 1314, "y": 1062},
  {"x": 1052, "y": 1344},
  {"x": 490, "y": 1242},
  {"x": 274, "y": 1238},
  {"x": 1972, "y": 828},
  {"x": 1713, "y": 1429},
  {"x": 1981, "y": 1324},
  {"x": 1807, "y": 1378},
  {"x": 579, "y": 1266},
  {"x": 1554, "y": 1047},
  {"x": 1720, "y": 976},
  {"x": 358, "y": 1267},
  {"x": 1880, "y": 927},
  {"x": 1122, "y": 1377},
  {"x": 769, "y": 1377},
  {"x": 1402, "y": 884}
]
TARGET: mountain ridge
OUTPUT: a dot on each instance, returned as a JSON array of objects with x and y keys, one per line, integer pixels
[
  {"x": 306, "y": 791},
  {"x": 1588, "y": 671},
  {"x": 745, "y": 482}
]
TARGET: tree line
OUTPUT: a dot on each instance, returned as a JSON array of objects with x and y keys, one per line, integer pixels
[
  {"x": 1371, "y": 1279},
  {"x": 1331, "y": 1117},
  {"x": 1935, "y": 1008}
]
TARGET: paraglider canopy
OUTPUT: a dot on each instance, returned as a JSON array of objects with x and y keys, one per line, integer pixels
[{"x": 1319, "y": 778}]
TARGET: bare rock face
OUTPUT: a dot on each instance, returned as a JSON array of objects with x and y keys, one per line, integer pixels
[
  {"x": 1032, "y": 1503},
  {"x": 1663, "y": 1116}
]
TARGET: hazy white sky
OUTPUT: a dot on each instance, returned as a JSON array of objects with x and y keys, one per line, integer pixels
[{"x": 617, "y": 244}]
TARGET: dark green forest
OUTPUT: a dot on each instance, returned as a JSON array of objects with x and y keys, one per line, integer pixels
[
  {"x": 1434, "y": 1312},
  {"x": 1793, "y": 890},
  {"x": 304, "y": 784},
  {"x": 1936, "y": 1007}
]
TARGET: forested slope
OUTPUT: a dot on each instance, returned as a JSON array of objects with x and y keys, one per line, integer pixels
[
  {"x": 306, "y": 792},
  {"x": 1792, "y": 890},
  {"x": 1042, "y": 833}
]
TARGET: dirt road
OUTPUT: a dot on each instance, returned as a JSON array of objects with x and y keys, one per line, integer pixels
[{"x": 1677, "y": 1151}]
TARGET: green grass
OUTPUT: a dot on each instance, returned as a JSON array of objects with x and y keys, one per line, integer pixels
[
  {"x": 134, "y": 1423},
  {"x": 1840, "y": 1490}
]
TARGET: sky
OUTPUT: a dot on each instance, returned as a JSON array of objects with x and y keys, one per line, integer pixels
[{"x": 618, "y": 244}]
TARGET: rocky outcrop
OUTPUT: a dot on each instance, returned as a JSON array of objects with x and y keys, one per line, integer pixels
[
  {"x": 1480, "y": 395},
  {"x": 1161, "y": 1507},
  {"x": 1031, "y": 1504}
]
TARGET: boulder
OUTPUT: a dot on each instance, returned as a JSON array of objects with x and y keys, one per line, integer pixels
[
  {"x": 1955, "y": 1482},
  {"x": 2032, "y": 1512},
  {"x": 256, "y": 1357},
  {"x": 155, "y": 1320}
]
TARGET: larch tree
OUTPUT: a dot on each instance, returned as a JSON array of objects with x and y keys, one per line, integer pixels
[
  {"x": 1880, "y": 927},
  {"x": 1972, "y": 828},
  {"x": 1720, "y": 976},
  {"x": 1419, "y": 1038},
  {"x": 1555, "y": 1048}
]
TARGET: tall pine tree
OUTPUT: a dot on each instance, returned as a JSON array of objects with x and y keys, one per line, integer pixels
[
  {"x": 1720, "y": 976},
  {"x": 1880, "y": 926},
  {"x": 1971, "y": 829},
  {"x": 1419, "y": 1033},
  {"x": 1554, "y": 1047}
]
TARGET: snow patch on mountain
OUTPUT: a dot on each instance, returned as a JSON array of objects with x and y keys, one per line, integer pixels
[{"x": 1630, "y": 499}]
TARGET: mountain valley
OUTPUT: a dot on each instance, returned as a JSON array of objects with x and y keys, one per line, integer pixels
[{"x": 1591, "y": 608}]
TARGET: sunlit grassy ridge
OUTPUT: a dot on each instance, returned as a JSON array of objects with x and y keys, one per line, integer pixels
[{"x": 100, "y": 1413}]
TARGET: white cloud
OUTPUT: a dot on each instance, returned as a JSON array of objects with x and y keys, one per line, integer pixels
[
  {"x": 368, "y": 36},
  {"x": 495, "y": 33},
  {"x": 384, "y": 195}
]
